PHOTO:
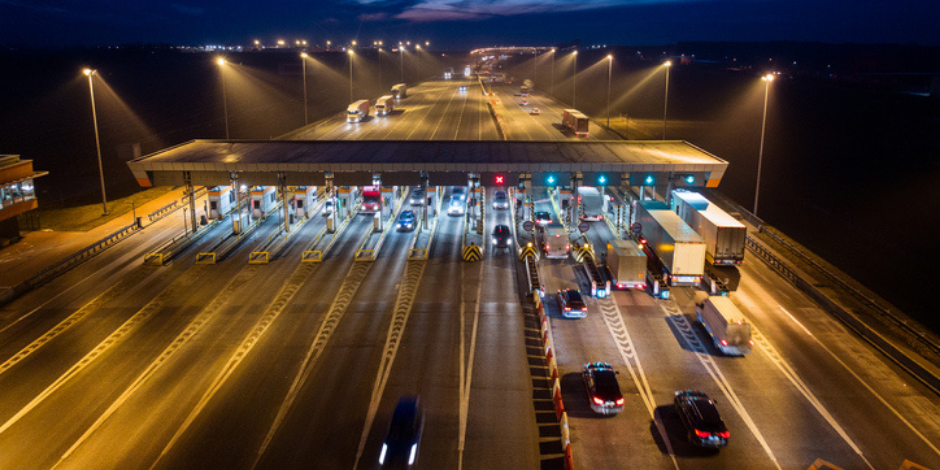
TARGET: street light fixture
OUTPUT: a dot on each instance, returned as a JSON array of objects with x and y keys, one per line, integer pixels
[
  {"x": 94, "y": 117},
  {"x": 610, "y": 67},
  {"x": 303, "y": 64},
  {"x": 760, "y": 155},
  {"x": 574, "y": 78},
  {"x": 553, "y": 71},
  {"x": 668, "y": 65},
  {"x": 221, "y": 62}
]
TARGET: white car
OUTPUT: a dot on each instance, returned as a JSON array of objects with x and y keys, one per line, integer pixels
[
  {"x": 536, "y": 111},
  {"x": 456, "y": 207}
]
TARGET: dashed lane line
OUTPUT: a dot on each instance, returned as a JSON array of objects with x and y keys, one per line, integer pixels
[
  {"x": 174, "y": 291},
  {"x": 354, "y": 277},
  {"x": 466, "y": 371},
  {"x": 414, "y": 270}
]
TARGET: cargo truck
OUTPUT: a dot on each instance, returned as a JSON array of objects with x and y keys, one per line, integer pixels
[
  {"x": 357, "y": 111},
  {"x": 679, "y": 249},
  {"x": 400, "y": 91},
  {"x": 592, "y": 203},
  {"x": 626, "y": 265},
  {"x": 524, "y": 90},
  {"x": 575, "y": 121},
  {"x": 727, "y": 326},
  {"x": 384, "y": 105},
  {"x": 723, "y": 234},
  {"x": 554, "y": 241}
]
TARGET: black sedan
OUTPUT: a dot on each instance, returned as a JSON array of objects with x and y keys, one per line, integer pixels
[
  {"x": 543, "y": 218},
  {"x": 571, "y": 303},
  {"x": 502, "y": 236},
  {"x": 603, "y": 391},
  {"x": 400, "y": 448},
  {"x": 701, "y": 419}
]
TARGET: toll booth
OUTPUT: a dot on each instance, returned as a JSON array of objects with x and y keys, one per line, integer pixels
[
  {"x": 263, "y": 199},
  {"x": 305, "y": 197},
  {"x": 346, "y": 197},
  {"x": 389, "y": 196},
  {"x": 221, "y": 201}
]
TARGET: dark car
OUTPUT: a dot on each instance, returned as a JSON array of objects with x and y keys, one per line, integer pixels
[
  {"x": 417, "y": 197},
  {"x": 502, "y": 236},
  {"x": 603, "y": 391},
  {"x": 500, "y": 200},
  {"x": 406, "y": 221},
  {"x": 571, "y": 303},
  {"x": 400, "y": 448},
  {"x": 701, "y": 419},
  {"x": 543, "y": 218},
  {"x": 327, "y": 209}
]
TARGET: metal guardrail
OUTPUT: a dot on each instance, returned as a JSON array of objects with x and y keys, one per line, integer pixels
[{"x": 163, "y": 211}]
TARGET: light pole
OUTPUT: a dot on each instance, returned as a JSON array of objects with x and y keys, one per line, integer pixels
[
  {"x": 668, "y": 65},
  {"x": 760, "y": 155},
  {"x": 303, "y": 63},
  {"x": 221, "y": 63},
  {"x": 535, "y": 67},
  {"x": 350, "y": 54},
  {"x": 94, "y": 117},
  {"x": 574, "y": 78},
  {"x": 401, "y": 62},
  {"x": 553, "y": 71},
  {"x": 610, "y": 68}
]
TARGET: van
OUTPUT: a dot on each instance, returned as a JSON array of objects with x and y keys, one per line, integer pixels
[{"x": 554, "y": 242}]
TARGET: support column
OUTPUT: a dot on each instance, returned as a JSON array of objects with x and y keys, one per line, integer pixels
[
  {"x": 669, "y": 188},
  {"x": 331, "y": 196},
  {"x": 427, "y": 201},
  {"x": 191, "y": 192},
  {"x": 576, "y": 178},
  {"x": 282, "y": 187},
  {"x": 237, "y": 215}
]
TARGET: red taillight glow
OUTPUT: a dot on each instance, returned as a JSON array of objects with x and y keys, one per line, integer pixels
[
  {"x": 751, "y": 341},
  {"x": 598, "y": 401},
  {"x": 702, "y": 434},
  {"x": 724, "y": 343},
  {"x": 567, "y": 309},
  {"x": 724, "y": 435},
  {"x": 619, "y": 402}
]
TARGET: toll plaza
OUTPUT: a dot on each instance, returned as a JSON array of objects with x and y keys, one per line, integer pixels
[
  {"x": 305, "y": 198},
  {"x": 221, "y": 201}
]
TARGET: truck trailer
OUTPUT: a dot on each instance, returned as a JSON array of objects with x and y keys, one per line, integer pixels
[
  {"x": 626, "y": 265},
  {"x": 724, "y": 235},
  {"x": 680, "y": 250},
  {"x": 727, "y": 326},
  {"x": 400, "y": 90},
  {"x": 554, "y": 241},
  {"x": 384, "y": 105},
  {"x": 575, "y": 121},
  {"x": 357, "y": 111}
]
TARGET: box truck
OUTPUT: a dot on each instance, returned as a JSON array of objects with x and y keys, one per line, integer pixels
[
  {"x": 384, "y": 105},
  {"x": 575, "y": 121},
  {"x": 626, "y": 265},
  {"x": 357, "y": 111},
  {"x": 726, "y": 325},
  {"x": 554, "y": 241},
  {"x": 723, "y": 234},
  {"x": 680, "y": 250},
  {"x": 400, "y": 90}
]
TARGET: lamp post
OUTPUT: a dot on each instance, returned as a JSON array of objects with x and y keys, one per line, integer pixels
[
  {"x": 668, "y": 65},
  {"x": 553, "y": 71},
  {"x": 610, "y": 68},
  {"x": 535, "y": 67},
  {"x": 221, "y": 63},
  {"x": 763, "y": 125},
  {"x": 574, "y": 78},
  {"x": 401, "y": 62},
  {"x": 350, "y": 54},
  {"x": 303, "y": 63},
  {"x": 94, "y": 117}
]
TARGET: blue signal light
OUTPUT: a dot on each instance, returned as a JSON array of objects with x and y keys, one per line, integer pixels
[
  {"x": 551, "y": 180},
  {"x": 602, "y": 180},
  {"x": 649, "y": 179},
  {"x": 689, "y": 179}
]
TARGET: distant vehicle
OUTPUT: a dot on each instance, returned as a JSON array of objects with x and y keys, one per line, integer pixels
[
  {"x": 448, "y": 75},
  {"x": 502, "y": 236},
  {"x": 575, "y": 121},
  {"x": 457, "y": 206},
  {"x": 384, "y": 105},
  {"x": 535, "y": 111},
  {"x": 458, "y": 192},
  {"x": 371, "y": 200},
  {"x": 571, "y": 303},
  {"x": 462, "y": 88},
  {"x": 466, "y": 71},
  {"x": 357, "y": 111},
  {"x": 543, "y": 218},
  {"x": 701, "y": 419},
  {"x": 680, "y": 250},
  {"x": 727, "y": 326},
  {"x": 524, "y": 90},
  {"x": 417, "y": 198},
  {"x": 603, "y": 391},
  {"x": 400, "y": 447},
  {"x": 626, "y": 264},
  {"x": 500, "y": 200},
  {"x": 554, "y": 241},
  {"x": 723, "y": 234},
  {"x": 406, "y": 221},
  {"x": 525, "y": 102},
  {"x": 327, "y": 209},
  {"x": 592, "y": 203},
  {"x": 400, "y": 91}
]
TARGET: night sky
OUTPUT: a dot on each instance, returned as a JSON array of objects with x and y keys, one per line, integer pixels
[{"x": 452, "y": 24}]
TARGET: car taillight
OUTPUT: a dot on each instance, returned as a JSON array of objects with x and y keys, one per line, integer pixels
[
  {"x": 567, "y": 309},
  {"x": 751, "y": 342},
  {"x": 724, "y": 435},
  {"x": 724, "y": 343},
  {"x": 619, "y": 402},
  {"x": 702, "y": 434},
  {"x": 598, "y": 401},
  {"x": 568, "y": 247}
]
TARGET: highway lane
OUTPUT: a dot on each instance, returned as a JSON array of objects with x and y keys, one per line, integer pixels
[{"x": 546, "y": 125}]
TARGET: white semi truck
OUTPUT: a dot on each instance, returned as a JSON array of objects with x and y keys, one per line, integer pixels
[
  {"x": 357, "y": 111},
  {"x": 626, "y": 265},
  {"x": 726, "y": 325},
  {"x": 384, "y": 105},
  {"x": 400, "y": 90},
  {"x": 723, "y": 234},
  {"x": 677, "y": 247}
]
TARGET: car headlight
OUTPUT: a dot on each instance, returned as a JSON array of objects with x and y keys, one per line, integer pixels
[
  {"x": 414, "y": 453},
  {"x": 382, "y": 455}
]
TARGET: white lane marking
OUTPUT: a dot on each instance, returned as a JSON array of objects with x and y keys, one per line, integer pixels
[
  {"x": 209, "y": 312},
  {"x": 344, "y": 296},
  {"x": 466, "y": 373},
  {"x": 463, "y": 106},
  {"x": 613, "y": 319},
  {"x": 443, "y": 114},
  {"x": 414, "y": 271},
  {"x": 708, "y": 362},
  {"x": 115, "y": 338},
  {"x": 867, "y": 386}
]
